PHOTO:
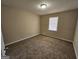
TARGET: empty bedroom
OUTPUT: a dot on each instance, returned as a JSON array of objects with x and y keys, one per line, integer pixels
[{"x": 39, "y": 29}]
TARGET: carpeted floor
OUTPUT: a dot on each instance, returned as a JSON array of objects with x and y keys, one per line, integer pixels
[{"x": 41, "y": 47}]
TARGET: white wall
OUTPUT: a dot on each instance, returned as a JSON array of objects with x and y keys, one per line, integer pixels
[
  {"x": 75, "y": 43},
  {"x": 18, "y": 24}
]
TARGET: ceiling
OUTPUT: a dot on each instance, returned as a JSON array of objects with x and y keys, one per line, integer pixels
[{"x": 53, "y": 6}]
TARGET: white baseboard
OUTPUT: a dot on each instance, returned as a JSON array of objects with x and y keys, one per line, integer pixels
[
  {"x": 75, "y": 51},
  {"x": 59, "y": 38},
  {"x": 21, "y": 39},
  {"x": 66, "y": 40}
]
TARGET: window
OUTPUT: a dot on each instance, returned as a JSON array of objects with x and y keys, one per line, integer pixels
[{"x": 53, "y": 22}]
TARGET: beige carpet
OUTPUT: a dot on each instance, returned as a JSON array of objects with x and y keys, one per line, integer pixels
[{"x": 41, "y": 47}]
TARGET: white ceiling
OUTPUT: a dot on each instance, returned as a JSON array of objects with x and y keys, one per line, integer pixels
[{"x": 33, "y": 5}]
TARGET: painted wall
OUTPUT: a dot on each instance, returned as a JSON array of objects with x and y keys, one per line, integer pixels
[
  {"x": 66, "y": 25},
  {"x": 18, "y": 24},
  {"x": 75, "y": 43}
]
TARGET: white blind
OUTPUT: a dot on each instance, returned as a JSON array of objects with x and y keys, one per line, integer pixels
[{"x": 53, "y": 23}]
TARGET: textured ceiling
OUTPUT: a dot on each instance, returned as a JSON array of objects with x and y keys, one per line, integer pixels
[{"x": 33, "y": 5}]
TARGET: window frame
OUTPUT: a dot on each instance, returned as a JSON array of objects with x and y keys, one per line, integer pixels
[{"x": 56, "y": 24}]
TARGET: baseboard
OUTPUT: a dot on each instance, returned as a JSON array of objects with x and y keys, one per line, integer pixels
[
  {"x": 21, "y": 39},
  {"x": 59, "y": 38},
  {"x": 33, "y": 36},
  {"x": 75, "y": 51}
]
